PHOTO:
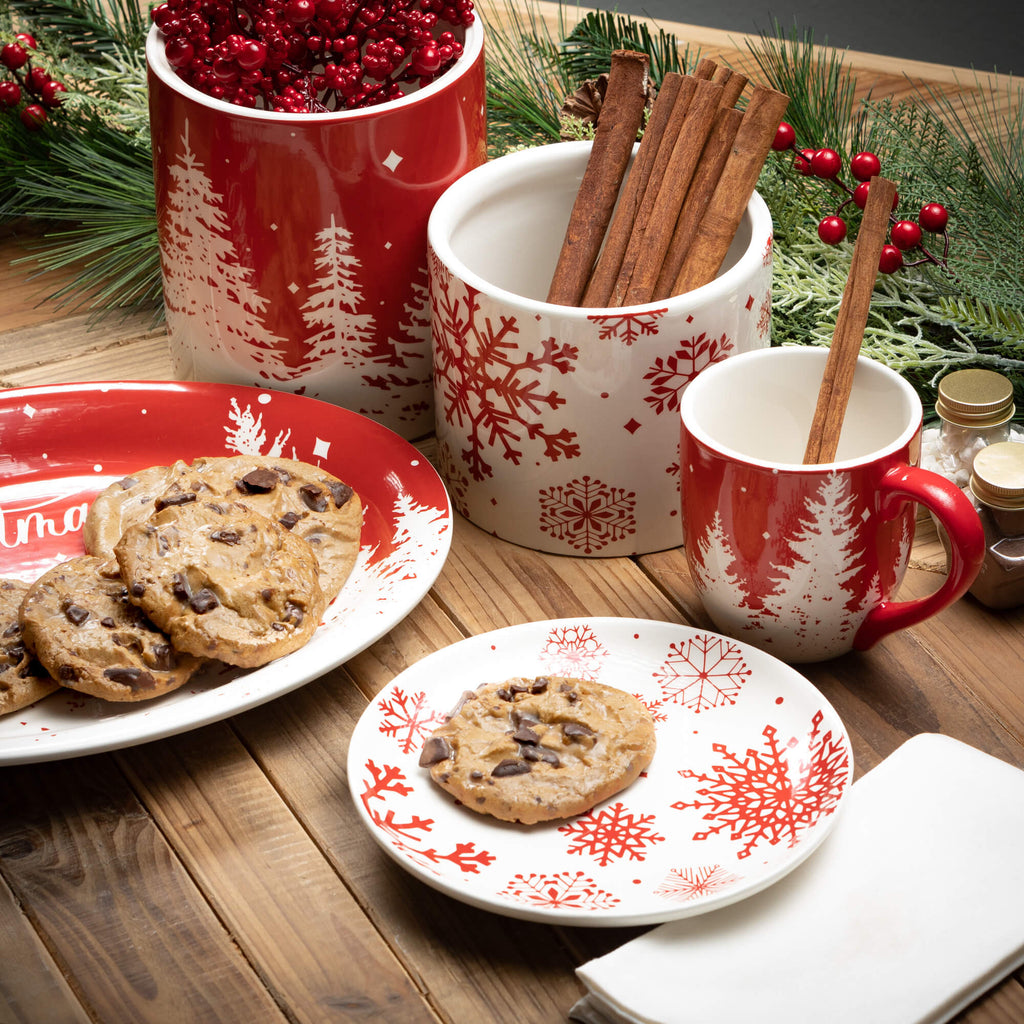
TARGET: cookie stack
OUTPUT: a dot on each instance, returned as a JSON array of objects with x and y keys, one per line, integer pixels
[{"x": 231, "y": 559}]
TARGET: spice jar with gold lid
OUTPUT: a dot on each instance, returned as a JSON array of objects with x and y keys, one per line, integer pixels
[
  {"x": 975, "y": 408},
  {"x": 997, "y": 491}
]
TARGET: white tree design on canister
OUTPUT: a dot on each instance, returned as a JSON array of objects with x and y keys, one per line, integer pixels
[
  {"x": 205, "y": 284},
  {"x": 331, "y": 308}
]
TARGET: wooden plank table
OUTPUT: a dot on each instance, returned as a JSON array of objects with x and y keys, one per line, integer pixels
[{"x": 223, "y": 875}]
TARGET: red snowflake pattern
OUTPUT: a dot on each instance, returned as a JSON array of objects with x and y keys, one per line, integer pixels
[
  {"x": 486, "y": 386},
  {"x": 409, "y": 834},
  {"x": 627, "y": 327},
  {"x": 764, "y": 317},
  {"x": 655, "y": 707},
  {"x": 611, "y": 834},
  {"x": 588, "y": 514},
  {"x": 565, "y": 890},
  {"x": 574, "y": 651},
  {"x": 704, "y": 672},
  {"x": 685, "y": 884},
  {"x": 763, "y": 797},
  {"x": 407, "y": 718},
  {"x": 669, "y": 376}
]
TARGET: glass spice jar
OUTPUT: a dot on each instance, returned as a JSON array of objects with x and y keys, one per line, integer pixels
[
  {"x": 975, "y": 408},
  {"x": 997, "y": 492}
]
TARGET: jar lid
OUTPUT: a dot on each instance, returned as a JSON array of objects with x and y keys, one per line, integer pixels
[
  {"x": 998, "y": 476},
  {"x": 975, "y": 398}
]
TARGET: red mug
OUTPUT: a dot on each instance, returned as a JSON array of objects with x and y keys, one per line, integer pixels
[
  {"x": 804, "y": 561},
  {"x": 293, "y": 246}
]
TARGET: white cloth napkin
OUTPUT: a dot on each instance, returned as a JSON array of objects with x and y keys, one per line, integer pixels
[{"x": 909, "y": 910}]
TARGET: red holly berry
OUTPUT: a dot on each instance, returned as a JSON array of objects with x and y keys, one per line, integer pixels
[
  {"x": 905, "y": 234},
  {"x": 10, "y": 93},
  {"x": 860, "y": 194},
  {"x": 13, "y": 56},
  {"x": 832, "y": 230},
  {"x": 803, "y": 162},
  {"x": 785, "y": 136},
  {"x": 933, "y": 217},
  {"x": 890, "y": 260},
  {"x": 826, "y": 163},
  {"x": 33, "y": 117},
  {"x": 865, "y": 165},
  {"x": 27, "y": 40}
]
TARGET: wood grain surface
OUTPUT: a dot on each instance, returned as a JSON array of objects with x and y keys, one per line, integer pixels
[{"x": 224, "y": 875}]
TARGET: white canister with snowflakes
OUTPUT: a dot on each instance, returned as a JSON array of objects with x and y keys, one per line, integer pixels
[
  {"x": 557, "y": 427},
  {"x": 805, "y": 561},
  {"x": 293, "y": 244}
]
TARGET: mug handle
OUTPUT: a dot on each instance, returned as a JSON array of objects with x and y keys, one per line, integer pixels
[{"x": 960, "y": 519}]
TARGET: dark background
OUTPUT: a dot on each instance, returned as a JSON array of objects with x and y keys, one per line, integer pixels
[{"x": 987, "y": 35}]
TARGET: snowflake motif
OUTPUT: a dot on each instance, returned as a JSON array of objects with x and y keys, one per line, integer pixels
[
  {"x": 407, "y": 719},
  {"x": 707, "y": 671},
  {"x": 764, "y": 316},
  {"x": 685, "y": 884},
  {"x": 669, "y": 376},
  {"x": 627, "y": 327},
  {"x": 409, "y": 834},
  {"x": 655, "y": 707},
  {"x": 566, "y": 890},
  {"x": 766, "y": 256},
  {"x": 484, "y": 382},
  {"x": 587, "y": 513},
  {"x": 763, "y": 797},
  {"x": 611, "y": 834},
  {"x": 574, "y": 651}
]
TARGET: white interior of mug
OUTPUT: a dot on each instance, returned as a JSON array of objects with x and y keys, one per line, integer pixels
[
  {"x": 500, "y": 227},
  {"x": 760, "y": 405}
]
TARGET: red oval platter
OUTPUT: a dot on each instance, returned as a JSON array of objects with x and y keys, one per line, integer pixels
[{"x": 61, "y": 445}]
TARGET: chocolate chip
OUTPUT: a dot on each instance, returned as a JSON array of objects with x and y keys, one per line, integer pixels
[
  {"x": 107, "y": 622},
  {"x": 476, "y": 775},
  {"x": 76, "y": 614},
  {"x": 259, "y": 481},
  {"x": 510, "y": 766},
  {"x": 136, "y": 678},
  {"x": 225, "y": 536},
  {"x": 466, "y": 695},
  {"x": 12, "y": 630},
  {"x": 173, "y": 499},
  {"x": 524, "y": 734},
  {"x": 203, "y": 601},
  {"x": 435, "y": 750},
  {"x": 341, "y": 493},
  {"x": 162, "y": 657},
  {"x": 127, "y": 482},
  {"x": 289, "y": 519},
  {"x": 576, "y": 730},
  {"x": 126, "y": 640},
  {"x": 541, "y": 754},
  {"x": 293, "y": 613},
  {"x": 540, "y": 684},
  {"x": 67, "y": 673},
  {"x": 504, "y": 694},
  {"x": 313, "y": 498},
  {"x": 138, "y": 589}
]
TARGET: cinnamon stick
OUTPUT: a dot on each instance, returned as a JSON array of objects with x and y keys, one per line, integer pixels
[
  {"x": 602, "y": 280},
  {"x": 621, "y": 116},
  {"x": 645, "y": 253},
  {"x": 735, "y": 186},
  {"x": 705, "y": 178},
  {"x": 837, "y": 379}
]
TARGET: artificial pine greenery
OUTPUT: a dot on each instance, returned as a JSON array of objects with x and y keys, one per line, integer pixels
[{"x": 87, "y": 175}]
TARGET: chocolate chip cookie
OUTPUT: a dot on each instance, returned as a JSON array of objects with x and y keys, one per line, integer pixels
[
  {"x": 532, "y": 750},
  {"x": 78, "y": 621},
  {"x": 223, "y": 581},
  {"x": 23, "y": 680}
]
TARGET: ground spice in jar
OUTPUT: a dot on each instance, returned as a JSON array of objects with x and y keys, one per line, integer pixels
[{"x": 997, "y": 492}]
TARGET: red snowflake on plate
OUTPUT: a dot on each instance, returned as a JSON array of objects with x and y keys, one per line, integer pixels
[
  {"x": 704, "y": 672},
  {"x": 610, "y": 834},
  {"x": 490, "y": 388},
  {"x": 627, "y": 327},
  {"x": 670, "y": 375},
  {"x": 587, "y": 514},
  {"x": 407, "y": 718},
  {"x": 685, "y": 884},
  {"x": 763, "y": 796},
  {"x": 574, "y": 651},
  {"x": 566, "y": 890},
  {"x": 409, "y": 834}
]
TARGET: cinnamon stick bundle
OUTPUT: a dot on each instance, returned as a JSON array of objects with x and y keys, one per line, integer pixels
[
  {"x": 729, "y": 200},
  {"x": 617, "y": 128}
]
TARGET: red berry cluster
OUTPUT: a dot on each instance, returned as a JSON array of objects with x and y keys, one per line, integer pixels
[
  {"x": 302, "y": 56},
  {"x": 21, "y": 80},
  {"x": 905, "y": 235}
]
